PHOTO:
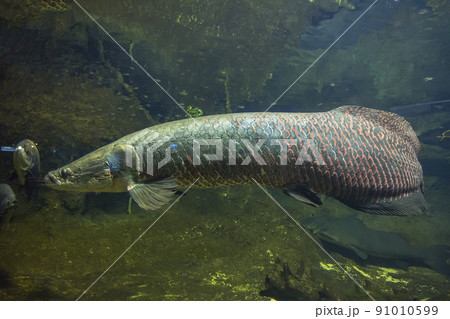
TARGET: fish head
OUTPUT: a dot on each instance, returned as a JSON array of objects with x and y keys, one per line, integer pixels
[
  {"x": 8, "y": 203},
  {"x": 7, "y": 198},
  {"x": 102, "y": 170},
  {"x": 26, "y": 158},
  {"x": 322, "y": 227}
]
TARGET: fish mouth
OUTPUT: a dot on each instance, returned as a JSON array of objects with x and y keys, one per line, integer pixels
[
  {"x": 50, "y": 179},
  {"x": 102, "y": 183}
]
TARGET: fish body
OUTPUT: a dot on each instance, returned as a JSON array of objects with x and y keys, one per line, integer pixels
[
  {"x": 7, "y": 198},
  {"x": 353, "y": 234},
  {"x": 365, "y": 158},
  {"x": 27, "y": 165}
]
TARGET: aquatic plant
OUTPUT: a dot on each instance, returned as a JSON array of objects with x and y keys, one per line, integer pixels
[
  {"x": 436, "y": 4},
  {"x": 53, "y": 5},
  {"x": 444, "y": 135},
  {"x": 194, "y": 111}
]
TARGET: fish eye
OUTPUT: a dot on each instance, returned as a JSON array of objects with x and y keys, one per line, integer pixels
[{"x": 66, "y": 172}]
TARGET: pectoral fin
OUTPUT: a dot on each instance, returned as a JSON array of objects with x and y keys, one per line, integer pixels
[
  {"x": 153, "y": 195},
  {"x": 303, "y": 193}
]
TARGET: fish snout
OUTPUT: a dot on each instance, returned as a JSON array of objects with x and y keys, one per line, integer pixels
[{"x": 50, "y": 179}]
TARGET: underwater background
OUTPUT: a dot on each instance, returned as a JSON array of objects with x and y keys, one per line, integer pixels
[{"x": 70, "y": 88}]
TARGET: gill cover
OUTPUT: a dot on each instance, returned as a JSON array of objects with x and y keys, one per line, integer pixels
[{"x": 151, "y": 195}]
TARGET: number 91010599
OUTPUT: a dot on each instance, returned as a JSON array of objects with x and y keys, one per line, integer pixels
[{"x": 406, "y": 310}]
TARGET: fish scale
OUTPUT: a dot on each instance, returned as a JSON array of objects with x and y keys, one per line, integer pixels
[{"x": 365, "y": 158}]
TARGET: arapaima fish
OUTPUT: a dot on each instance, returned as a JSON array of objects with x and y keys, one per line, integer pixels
[{"x": 363, "y": 157}]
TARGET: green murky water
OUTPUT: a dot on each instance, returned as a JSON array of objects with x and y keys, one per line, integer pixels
[{"x": 69, "y": 87}]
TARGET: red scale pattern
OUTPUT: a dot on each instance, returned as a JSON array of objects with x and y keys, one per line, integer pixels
[{"x": 352, "y": 153}]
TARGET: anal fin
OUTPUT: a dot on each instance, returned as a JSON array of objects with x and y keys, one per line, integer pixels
[{"x": 411, "y": 205}]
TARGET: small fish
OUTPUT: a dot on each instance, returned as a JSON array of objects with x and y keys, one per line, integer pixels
[
  {"x": 421, "y": 108},
  {"x": 27, "y": 165},
  {"x": 7, "y": 198},
  {"x": 353, "y": 234}
]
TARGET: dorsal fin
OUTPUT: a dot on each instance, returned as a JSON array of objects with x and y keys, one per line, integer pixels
[{"x": 393, "y": 122}]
